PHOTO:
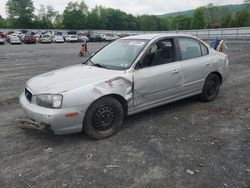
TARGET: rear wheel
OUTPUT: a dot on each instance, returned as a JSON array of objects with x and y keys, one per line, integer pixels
[
  {"x": 211, "y": 88},
  {"x": 104, "y": 118}
]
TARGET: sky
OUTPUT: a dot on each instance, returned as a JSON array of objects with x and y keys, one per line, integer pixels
[{"x": 135, "y": 7}]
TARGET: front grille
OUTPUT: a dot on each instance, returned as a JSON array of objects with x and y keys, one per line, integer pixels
[{"x": 28, "y": 95}]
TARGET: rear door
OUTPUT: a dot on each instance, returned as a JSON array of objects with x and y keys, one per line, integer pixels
[{"x": 195, "y": 63}]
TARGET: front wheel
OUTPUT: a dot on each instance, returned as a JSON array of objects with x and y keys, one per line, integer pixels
[
  {"x": 211, "y": 88},
  {"x": 104, "y": 118}
]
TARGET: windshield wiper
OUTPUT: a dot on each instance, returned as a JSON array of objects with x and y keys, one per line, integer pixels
[
  {"x": 99, "y": 65},
  {"x": 95, "y": 64},
  {"x": 88, "y": 60}
]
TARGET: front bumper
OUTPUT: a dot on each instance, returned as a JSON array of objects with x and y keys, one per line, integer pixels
[
  {"x": 56, "y": 119},
  {"x": 45, "y": 41},
  {"x": 72, "y": 40},
  {"x": 59, "y": 41}
]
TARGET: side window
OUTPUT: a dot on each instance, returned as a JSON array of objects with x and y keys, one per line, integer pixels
[
  {"x": 204, "y": 49},
  {"x": 190, "y": 48},
  {"x": 161, "y": 52}
]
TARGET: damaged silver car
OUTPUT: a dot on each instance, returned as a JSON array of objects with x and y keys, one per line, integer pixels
[{"x": 128, "y": 76}]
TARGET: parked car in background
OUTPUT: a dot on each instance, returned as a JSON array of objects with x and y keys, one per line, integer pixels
[
  {"x": 114, "y": 37},
  {"x": 1, "y": 40},
  {"x": 37, "y": 35},
  {"x": 64, "y": 34},
  {"x": 58, "y": 39},
  {"x": 104, "y": 37},
  {"x": 71, "y": 38},
  {"x": 44, "y": 38},
  {"x": 95, "y": 38},
  {"x": 123, "y": 35},
  {"x": 29, "y": 39},
  {"x": 8, "y": 33},
  {"x": 2, "y": 34},
  {"x": 127, "y": 76},
  {"x": 83, "y": 38},
  {"x": 8, "y": 37},
  {"x": 15, "y": 40},
  {"x": 110, "y": 37}
]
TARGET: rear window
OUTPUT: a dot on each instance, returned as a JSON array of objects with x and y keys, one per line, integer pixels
[
  {"x": 204, "y": 49},
  {"x": 190, "y": 48}
]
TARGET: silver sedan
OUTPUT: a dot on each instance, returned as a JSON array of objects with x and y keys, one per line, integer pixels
[{"x": 128, "y": 76}]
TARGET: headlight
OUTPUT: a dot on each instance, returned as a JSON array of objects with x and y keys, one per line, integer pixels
[{"x": 48, "y": 100}]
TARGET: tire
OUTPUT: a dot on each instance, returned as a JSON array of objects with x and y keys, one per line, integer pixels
[
  {"x": 211, "y": 88},
  {"x": 104, "y": 118}
]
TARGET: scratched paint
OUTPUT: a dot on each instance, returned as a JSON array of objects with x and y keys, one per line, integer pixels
[
  {"x": 110, "y": 81},
  {"x": 97, "y": 91}
]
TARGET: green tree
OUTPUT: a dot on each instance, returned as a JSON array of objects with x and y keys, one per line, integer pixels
[
  {"x": 93, "y": 18},
  {"x": 58, "y": 21},
  {"x": 242, "y": 18},
  {"x": 74, "y": 15},
  {"x": 148, "y": 23},
  {"x": 199, "y": 20},
  {"x": 2, "y": 22},
  {"x": 182, "y": 22},
  {"x": 20, "y": 12},
  {"x": 213, "y": 15},
  {"x": 164, "y": 24},
  {"x": 46, "y": 17},
  {"x": 226, "y": 18}
]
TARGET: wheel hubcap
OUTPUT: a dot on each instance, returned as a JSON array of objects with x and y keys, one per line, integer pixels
[
  {"x": 104, "y": 118},
  {"x": 212, "y": 88}
]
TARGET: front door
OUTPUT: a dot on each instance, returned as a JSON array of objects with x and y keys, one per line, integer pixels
[{"x": 159, "y": 76}]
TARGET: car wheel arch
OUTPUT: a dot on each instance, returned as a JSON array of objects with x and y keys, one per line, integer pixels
[
  {"x": 218, "y": 74},
  {"x": 118, "y": 97}
]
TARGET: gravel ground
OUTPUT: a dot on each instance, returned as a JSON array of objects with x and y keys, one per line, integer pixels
[{"x": 182, "y": 144}]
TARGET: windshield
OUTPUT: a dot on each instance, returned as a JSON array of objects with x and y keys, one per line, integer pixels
[{"x": 119, "y": 54}]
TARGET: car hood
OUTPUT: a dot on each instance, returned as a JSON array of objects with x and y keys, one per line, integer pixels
[{"x": 69, "y": 78}]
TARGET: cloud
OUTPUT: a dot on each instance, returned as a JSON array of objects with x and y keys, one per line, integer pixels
[{"x": 135, "y": 7}]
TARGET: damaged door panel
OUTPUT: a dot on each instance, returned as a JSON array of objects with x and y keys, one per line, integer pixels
[{"x": 153, "y": 85}]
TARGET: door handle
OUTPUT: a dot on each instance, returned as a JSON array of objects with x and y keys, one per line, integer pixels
[{"x": 175, "y": 71}]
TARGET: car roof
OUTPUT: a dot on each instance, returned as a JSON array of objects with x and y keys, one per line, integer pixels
[{"x": 153, "y": 36}]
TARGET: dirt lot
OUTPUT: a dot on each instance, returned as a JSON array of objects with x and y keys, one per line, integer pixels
[{"x": 154, "y": 149}]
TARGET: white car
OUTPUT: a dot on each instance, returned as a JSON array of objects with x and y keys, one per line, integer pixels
[
  {"x": 71, "y": 38},
  {"x": 1, "y": 41},
  {"x": 110, "y": 37},
  {"x": 45, "y": 39},
  {"x": 83, "y": 38},
  {"x": 15, "y": 40},
  {"x": 115, "y": 37},
  {"x": 127, "y": 76},
  {"x": 58, "y": 39}
]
